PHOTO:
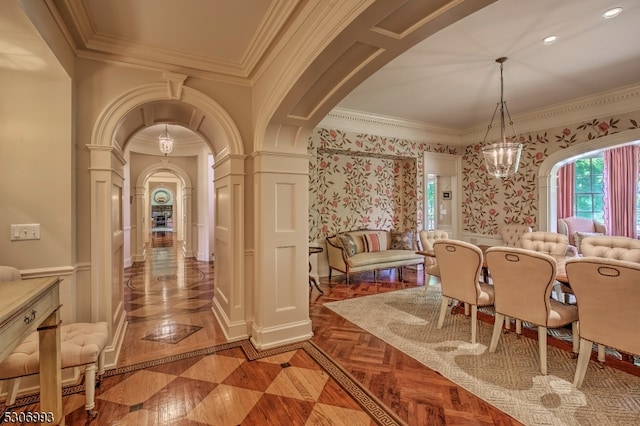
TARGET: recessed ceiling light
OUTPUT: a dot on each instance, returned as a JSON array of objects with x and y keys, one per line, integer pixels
[
  {"x": 612, "y": 13},
  {"x": 550, "y": 39}
]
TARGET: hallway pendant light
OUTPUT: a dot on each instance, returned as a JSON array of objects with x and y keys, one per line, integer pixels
[
  {"x": 502, "y": 158},
  {"x": 165, "y": 142}
]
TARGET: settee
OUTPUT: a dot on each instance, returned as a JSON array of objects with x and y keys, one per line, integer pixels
[{"x": 372, "y": 250}]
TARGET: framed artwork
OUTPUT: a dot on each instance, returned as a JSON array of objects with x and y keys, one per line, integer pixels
[{"x": 446, "y": 195}]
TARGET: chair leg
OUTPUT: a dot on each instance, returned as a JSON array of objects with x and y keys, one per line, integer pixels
[
  {"x": 497, "y": 331},
  {"x": 583, "y": 362},
  {"x": 601, "y": 355},
  {"x": 507, "y": 323},
  {"x": 100, "y": 368},
  {"x": 330, "y": 269},
  {"x": 542, "y": 346},
  {"x": 575, "y": 336},
  {"x": 443, "y": 310},
  {"x": 90, "y": 389},
  {"x": 518, "y": 327},
  {"x": 474, "y": 323}
]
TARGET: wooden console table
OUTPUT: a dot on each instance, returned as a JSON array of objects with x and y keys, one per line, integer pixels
[{"x": 26, "y": 306}]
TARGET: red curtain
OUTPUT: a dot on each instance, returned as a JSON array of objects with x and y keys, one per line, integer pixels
[
  {"x": 620, "y": 190},
  {"x": 566, "y": 179}
]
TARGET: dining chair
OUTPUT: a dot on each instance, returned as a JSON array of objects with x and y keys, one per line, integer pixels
[
  {"x": 426, "y": 239},
  {"x": 551, "y": 243},
  {"x": 523, "y": 281},
  {"x": 512, "y": 233},
  {"x": 610, "y": 247},
  {"x": 460, "y": 265},
  {"x": 599, "y": 284}
]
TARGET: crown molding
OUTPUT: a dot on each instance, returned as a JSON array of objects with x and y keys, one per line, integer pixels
[
  {"x": 362, "y": 122},
  {"x": 613, "y": 102}
]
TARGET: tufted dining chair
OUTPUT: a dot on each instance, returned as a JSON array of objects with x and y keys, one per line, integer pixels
[
  {"x": 523, "y": 280},
  {"x": 460, "y": 265},
  {"x": 512, "y": 232},
  {"x": 551, "y": 243},
  {"x": 599, "y": 285},
  {"x": 427, "y": 238}
]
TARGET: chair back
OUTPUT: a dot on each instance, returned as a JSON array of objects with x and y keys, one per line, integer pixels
[
  {"x": 570, "y": 225},
  {"x": 621, "y": 248},
  {"x": 427, "y": 238},
  {"x": 460, "y": 264},
  {"x": 545, "y": 242},
  {"x": 522, "y": 281},
  {"x": 608, "y": 295},
  {"x": 512, "y": 233}
]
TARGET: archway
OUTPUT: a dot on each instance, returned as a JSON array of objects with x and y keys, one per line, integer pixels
[
  {"x": 123, "y": 117},
  {"x": 547, "y": 173}
]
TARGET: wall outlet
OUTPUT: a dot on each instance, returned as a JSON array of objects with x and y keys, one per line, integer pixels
[{"x": 25, "y": 231}]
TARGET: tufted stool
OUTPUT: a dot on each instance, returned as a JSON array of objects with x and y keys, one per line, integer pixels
[
  {"x": 80, "y": 344},
  {"x": 9, "y": 273}
]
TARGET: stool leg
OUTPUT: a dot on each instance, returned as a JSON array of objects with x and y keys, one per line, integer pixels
[
  {"x": 12, "y": 390},
  {"x": 90, "y": 389}
]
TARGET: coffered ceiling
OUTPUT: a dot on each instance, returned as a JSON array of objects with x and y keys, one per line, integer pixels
[{"x": 449, "y": 80}]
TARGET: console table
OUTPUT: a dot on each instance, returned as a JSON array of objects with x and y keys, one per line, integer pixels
[{"x": 26, "y": 306}]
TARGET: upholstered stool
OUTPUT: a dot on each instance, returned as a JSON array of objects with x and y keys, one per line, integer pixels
[
  {"x": 80, "y": 344},
  {"x": 9, "y": 273}
]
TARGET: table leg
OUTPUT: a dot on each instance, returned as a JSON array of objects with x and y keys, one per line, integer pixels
[
  {"x": 313, "y": 280},
  {"x": 50, "y": 371}
]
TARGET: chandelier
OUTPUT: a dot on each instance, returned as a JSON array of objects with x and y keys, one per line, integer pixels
[
  {"x": 165, "y": 142},
  {"x": 502, "y": 158}
]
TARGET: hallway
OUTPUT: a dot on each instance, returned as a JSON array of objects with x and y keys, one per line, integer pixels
[{"x": 176, "y": 367}]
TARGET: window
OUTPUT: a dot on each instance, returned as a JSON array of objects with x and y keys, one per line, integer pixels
[
  {"x": 589, "y": 188},
  {"x": 430, "y": 203}
]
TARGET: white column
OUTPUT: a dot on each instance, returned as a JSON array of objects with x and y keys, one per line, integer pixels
[
  {"x": 140, "y": 253},
  {"x": 230, "y": 300},
  {"x": 187, "y": 242},
  {"x": 281, "y": 202}
]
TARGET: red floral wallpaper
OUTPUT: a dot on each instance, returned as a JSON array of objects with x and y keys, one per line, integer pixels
[
  {"x": 365, "y": 181},
  {"x": 370, "y": 181},
  {"x": 490, "y": 202}
]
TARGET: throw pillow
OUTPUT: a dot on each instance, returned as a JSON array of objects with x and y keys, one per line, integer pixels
[
  {"x": 579, "y": 236},
  {"x": 371, "y": 242},
  {"x": 348, "y": 244},
  {"x": 402, "y": 240}
]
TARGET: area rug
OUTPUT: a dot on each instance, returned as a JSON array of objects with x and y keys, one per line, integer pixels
[{"x": 510, "y": 378}]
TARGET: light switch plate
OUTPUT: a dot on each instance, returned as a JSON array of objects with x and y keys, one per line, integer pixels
[{"x": 25, "y": 231}]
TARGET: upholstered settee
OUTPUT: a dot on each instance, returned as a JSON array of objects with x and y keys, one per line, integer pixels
[{"x": 371, "y": 250}]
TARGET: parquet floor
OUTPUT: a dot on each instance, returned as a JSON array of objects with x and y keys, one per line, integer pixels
[{"x": 168, "y": 301}]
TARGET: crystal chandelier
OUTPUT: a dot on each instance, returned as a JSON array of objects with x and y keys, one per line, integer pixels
[
  {"x": 165, "y": 142},
  {"x": 502, "y": 158}
]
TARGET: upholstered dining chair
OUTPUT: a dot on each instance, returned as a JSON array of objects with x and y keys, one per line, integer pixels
[
  {"x": 426, "y": 239},
  {"x": 460, "y": 265},
  {"x": 599, "y": 285},
  {"x": 551, "y": 243},
  {"x": 512, "y": 232},
  {"x": 523, "y": 281}
]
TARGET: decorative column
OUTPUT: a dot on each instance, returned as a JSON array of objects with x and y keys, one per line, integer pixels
[{"x": 141, "y": 205}]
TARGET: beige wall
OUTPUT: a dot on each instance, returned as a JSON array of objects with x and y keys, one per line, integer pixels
[{"x": 36, "y": 165}]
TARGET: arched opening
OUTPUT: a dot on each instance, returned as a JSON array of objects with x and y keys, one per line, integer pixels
[
  {"x": 114, "y": 130},
  {"x": 548, "y": 172}
]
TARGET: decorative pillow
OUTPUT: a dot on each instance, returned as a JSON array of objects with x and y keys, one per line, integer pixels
[
  {"x": 371, "y": 242},
  {"x": 348, "y": 244},
  {"x": 402, "y": 240},
  {"x": 578, "y": 236}
]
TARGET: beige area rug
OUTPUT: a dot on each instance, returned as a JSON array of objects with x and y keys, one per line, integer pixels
[{"x": 510, "y": 378}]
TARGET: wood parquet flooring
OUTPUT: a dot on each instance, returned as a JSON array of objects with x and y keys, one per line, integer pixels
[{"x": 168, "y": 300}]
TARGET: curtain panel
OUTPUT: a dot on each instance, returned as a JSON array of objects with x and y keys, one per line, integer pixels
[
  {"x": 566, "y": 184},
  {"x": 620, "y": 190}
]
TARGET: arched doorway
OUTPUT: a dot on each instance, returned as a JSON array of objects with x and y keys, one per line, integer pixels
[{"x": 113, "y": 129}]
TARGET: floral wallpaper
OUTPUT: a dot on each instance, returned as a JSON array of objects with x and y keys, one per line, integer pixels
[
  {"x": 365, "y": 181},
  {"x": 490, "y": 202}
]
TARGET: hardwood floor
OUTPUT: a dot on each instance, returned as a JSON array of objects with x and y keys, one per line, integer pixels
[{"x": 168, "y": 304}]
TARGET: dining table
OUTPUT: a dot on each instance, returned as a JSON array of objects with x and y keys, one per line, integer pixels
[{"x": 561, "y": 272}]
